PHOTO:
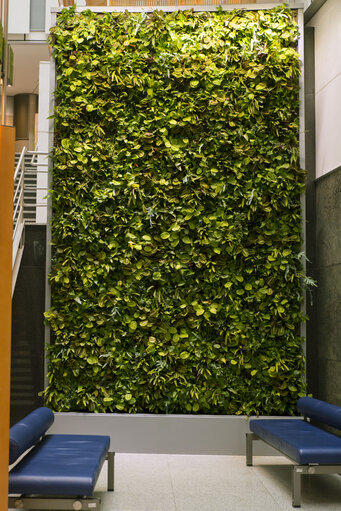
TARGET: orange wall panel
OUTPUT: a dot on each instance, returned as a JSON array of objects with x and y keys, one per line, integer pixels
[{"x": 7, "y": 139}]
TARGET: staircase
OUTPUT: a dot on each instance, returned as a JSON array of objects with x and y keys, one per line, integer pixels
[
  {"x": 25, "y": 202},
  {"x": 30, "y": 185},
  {"x": 27, "y": 358},
  {"x": 22, "y": 379}
]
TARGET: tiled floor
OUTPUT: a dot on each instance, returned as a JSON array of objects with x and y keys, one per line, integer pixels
[{"x": 212, "y": 483}]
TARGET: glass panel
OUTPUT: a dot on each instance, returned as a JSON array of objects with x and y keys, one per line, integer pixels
[{"x": 37, "y": 15}]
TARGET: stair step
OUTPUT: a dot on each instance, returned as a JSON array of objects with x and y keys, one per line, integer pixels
[
  {"x": 23, "y": 387},
  {"x": 22, "y": 379},
  {"x": 27, "y": 396},
  {"x": 23, "y": 402},
  {"x": 20, "y": 352},
  {"x": 19, "y": 394}
]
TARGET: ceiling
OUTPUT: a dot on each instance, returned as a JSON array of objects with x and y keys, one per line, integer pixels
[{"x": 27, "y": 56}]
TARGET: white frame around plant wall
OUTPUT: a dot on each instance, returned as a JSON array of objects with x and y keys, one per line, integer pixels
[{"x": 162, "y": 433}]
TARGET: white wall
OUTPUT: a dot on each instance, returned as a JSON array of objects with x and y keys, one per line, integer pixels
[
  {"x": 18, "y": 16},
  {"x": 327, "y": 23},
  {"x": 49, "y": 5}
]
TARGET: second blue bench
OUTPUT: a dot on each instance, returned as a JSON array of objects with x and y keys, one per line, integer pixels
[{"x": 311, "y": 448}]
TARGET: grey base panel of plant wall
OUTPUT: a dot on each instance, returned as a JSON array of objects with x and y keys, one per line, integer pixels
[{"x": 164, "y": 434}]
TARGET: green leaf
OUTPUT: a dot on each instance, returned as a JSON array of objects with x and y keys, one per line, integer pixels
[
  {"x": 132, "y": 325},
  {"x": 184, "y": 355},
  {"x": 65, "y": 143},
  {"x": 92, "y": 360}
]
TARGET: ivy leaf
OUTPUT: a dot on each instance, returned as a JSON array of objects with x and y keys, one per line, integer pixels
[
  {"x": 132, "y": 325},
  {"x": 184, "y": 355},
  {"x": 92, "y": 360}
]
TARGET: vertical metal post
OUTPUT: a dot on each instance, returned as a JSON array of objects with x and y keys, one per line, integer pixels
[
  {"x": 111, "y": 470},
  {"x": 249, "y": 438},
  {"x": 296, "y": 486},
  {"x": 52, "y": 88},
  {"x": 4, "y": 76},
  {"x": 300, "y": 20}
]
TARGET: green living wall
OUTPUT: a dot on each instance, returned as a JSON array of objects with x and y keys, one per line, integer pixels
[{"x": 176, "y": 274}]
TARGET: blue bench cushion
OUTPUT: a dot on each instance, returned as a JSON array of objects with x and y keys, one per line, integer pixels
[
  {"x": 25, "y": 433},
  {"x": 300, "y": 440},
  {"x": 320, "y": 411},
  {"x": 60, "y": 465}
]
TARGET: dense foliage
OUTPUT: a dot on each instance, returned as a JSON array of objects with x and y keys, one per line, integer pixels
[{"x": 176, "y": 276}]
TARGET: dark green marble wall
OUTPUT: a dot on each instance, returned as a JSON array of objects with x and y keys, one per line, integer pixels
[
  {"x": 310, "y": 208},
  {"x": 327, "y": 308}
]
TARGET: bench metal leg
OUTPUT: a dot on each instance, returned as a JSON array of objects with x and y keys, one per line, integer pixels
[
  {"x": 249, "y": 438},
  {"x": 111, "y": 470},
  {"x": 296, "y": 485}
]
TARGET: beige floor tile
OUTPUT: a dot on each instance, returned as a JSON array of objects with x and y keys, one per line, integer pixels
[{"x": 212, "y": 483}]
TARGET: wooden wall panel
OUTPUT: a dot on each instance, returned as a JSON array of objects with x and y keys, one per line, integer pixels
[{"x": 7, "y": 139}]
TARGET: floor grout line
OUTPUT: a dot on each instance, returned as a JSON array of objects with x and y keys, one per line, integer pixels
[
  {"x": 171, "y": 482},
  {"x": 276, "y": 500}
]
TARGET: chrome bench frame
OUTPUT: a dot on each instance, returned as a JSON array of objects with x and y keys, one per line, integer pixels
[{"x": 296, "y": 470}]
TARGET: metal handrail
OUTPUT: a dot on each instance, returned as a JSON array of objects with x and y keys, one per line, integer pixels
[
  {"x": 18, "y": 208},
  {"x": 26, "y": 184},
  {"x": 18, "y": 198},
  {"x": 18, "y": 217},
  {"x": 25, "y": 173},
  {"x": 34, "y": 156},
  {"x": 21, "y": 159}
]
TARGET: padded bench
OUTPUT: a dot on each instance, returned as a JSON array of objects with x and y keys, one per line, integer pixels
[
  {"x": 59, "y": 471},
  {"x": 312, "y": 449}
]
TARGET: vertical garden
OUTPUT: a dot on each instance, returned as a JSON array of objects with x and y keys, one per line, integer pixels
[{"x": 176, "y": 230}]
